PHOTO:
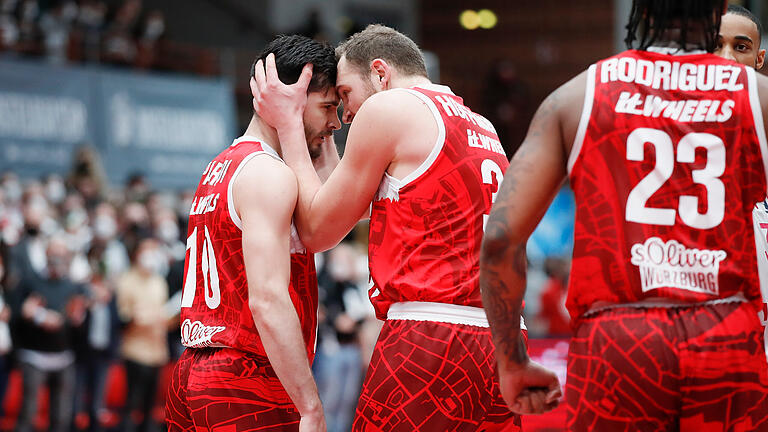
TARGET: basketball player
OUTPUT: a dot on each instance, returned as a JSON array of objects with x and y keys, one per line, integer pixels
[
  {"x": 249, "y": 304},
  {"x": 664, "y": 148},
  {"x": 431, "y": 167},
  {"x": 739, "y": 40},
  {"x": 740, "y": 36}
]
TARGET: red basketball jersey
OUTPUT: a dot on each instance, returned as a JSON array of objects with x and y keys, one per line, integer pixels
[
  {"x": 669, "y": 159},
  {"x": 214, "y": 305},
  {"x": 426, "y": 229}
]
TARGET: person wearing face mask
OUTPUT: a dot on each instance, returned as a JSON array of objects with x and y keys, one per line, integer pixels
[
  {"x": 46, "y": 311},
  {"x": 27, "y": 257},
  {"x": 141, "y": 297}
]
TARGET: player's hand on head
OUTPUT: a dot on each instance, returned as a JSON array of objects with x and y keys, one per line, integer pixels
[
  {"x": 530, "y": 389},
  {"x": 278, "y": 104}
]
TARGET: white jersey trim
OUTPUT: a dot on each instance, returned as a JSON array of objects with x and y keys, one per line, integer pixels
[
  {"x": 673, "y": 51},
  {"x": 439, "y": 143},
  {"x": 586, "y": 113},
  {"x": 441, "y": 312},
  {"x": 266, "y": 150},
  {"x": 757, "y": 114}
]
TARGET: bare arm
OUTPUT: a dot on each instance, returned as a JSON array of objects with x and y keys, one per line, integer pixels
[
  {"x": 534, "y": 176},
  {"x": 266, "y": 221},
  {"x": 328, "y": 160}
]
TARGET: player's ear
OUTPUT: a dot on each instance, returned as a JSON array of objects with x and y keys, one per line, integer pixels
[
  {"x": 760, "y": 59},
  {"x": 382, "y": 73}
]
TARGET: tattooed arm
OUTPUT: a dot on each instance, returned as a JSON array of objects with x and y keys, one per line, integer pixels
[{"x": 533, "y": 178}]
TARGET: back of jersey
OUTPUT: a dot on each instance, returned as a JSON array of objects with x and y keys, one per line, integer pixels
[
  {"x": 215, "y": 305},
  {"x": 426, "y": 229},
  {"x": 666, "y": 167}
]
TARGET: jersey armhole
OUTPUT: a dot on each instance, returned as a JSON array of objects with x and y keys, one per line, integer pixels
[
  {"x": 230, "y": 201},
  {"x": 757, "y": 114},
  {"x": 586, "y": 113},
  {"x": 438, "y": 143}
]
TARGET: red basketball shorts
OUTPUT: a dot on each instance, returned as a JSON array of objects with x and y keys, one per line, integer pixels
[
  {"x": 695, "y": 368},
  {"x": 227, "y": 390},
  {"x": 433, "y": 376}
]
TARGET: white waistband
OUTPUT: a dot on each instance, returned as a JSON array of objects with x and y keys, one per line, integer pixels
[{"x": 441, "y": 312}]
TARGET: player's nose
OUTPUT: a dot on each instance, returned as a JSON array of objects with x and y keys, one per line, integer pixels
[
  {"x": 334, "y": 123},
  {"x": 348, "y": 116},
  {"x": 727, "y": 53}
]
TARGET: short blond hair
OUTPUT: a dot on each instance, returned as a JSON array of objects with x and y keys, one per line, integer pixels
[{"x": 386, "y": 43}]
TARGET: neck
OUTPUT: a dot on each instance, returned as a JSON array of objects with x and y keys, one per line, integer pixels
[
  {"x": 696, "y": 39},
  {"x": 408, "y": 81},
  {"x": 257, "y": 128}
]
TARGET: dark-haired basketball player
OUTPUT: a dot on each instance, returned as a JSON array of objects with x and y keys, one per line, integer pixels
[
  {"x": 739, "y": 40},
  {"x": 665, "y": 149},
  {"x": 249, "y": 304}
]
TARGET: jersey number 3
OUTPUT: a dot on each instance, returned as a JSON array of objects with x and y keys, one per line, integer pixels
[
  {"x": 488, "y": 168},
  {"x": 209, "y": 270},
  {"x": 688, "y": 206}
]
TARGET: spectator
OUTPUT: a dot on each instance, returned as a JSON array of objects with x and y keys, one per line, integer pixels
[
  {"x": 119, "y": 43},
  {"x": 27, "y": 258},
  {"x": 153, "y": 29},
  {"x": 97, "y": 345},
  {"x": 107, "y": 254},
  {"x": 55, "y": 26},
  {"x": 141, "y": 297},
  {"x": 88, "y": 29},
  {"x": 9, "y": 27},
  {"x": 48, "y": 309},
  {"x": 338, "y": 360},
  {"x": 29, "y": 34}
]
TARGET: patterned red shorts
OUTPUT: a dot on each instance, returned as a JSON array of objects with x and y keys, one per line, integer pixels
[
  {"x": 432, "y": 376},
  {"x": 227, "y": 390},
  {"x": 697, "y": 368}
]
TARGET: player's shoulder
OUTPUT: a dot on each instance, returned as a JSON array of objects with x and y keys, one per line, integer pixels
[
  {"x": 396, "y": 105},
  {"x": 264, "y": 171}
]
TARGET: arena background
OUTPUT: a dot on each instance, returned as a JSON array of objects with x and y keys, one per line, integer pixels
[{"x": 113, "y": 107}]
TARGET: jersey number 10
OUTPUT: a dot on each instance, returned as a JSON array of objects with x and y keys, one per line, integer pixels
[
  {"x": 688, "y": 206},
  {"x": 210, "y": 272}
]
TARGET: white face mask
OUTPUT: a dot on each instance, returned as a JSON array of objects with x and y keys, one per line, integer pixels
[
  {"x": 104, "y": 227},
  {"x": 168, "y": 232},
  {"x": 149, "y": 261},
  {"x": 55, "y": 191}
]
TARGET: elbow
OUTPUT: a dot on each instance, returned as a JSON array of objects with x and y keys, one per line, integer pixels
[
  {"x": 260, "y": 305},
  {"x": 498, "y": 242},
  {"x": 316, "y": 242}
]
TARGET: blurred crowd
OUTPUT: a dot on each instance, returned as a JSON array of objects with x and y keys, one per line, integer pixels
[
  {"x": 118, "y": 32},
  {"x": 91, "y": 279}
]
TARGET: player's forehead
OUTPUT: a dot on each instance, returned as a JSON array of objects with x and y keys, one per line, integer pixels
[
  {"x": 346, "y": 73},
  {"x": 327, "y": 95},
  {"x": 733, "y": 26}
]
